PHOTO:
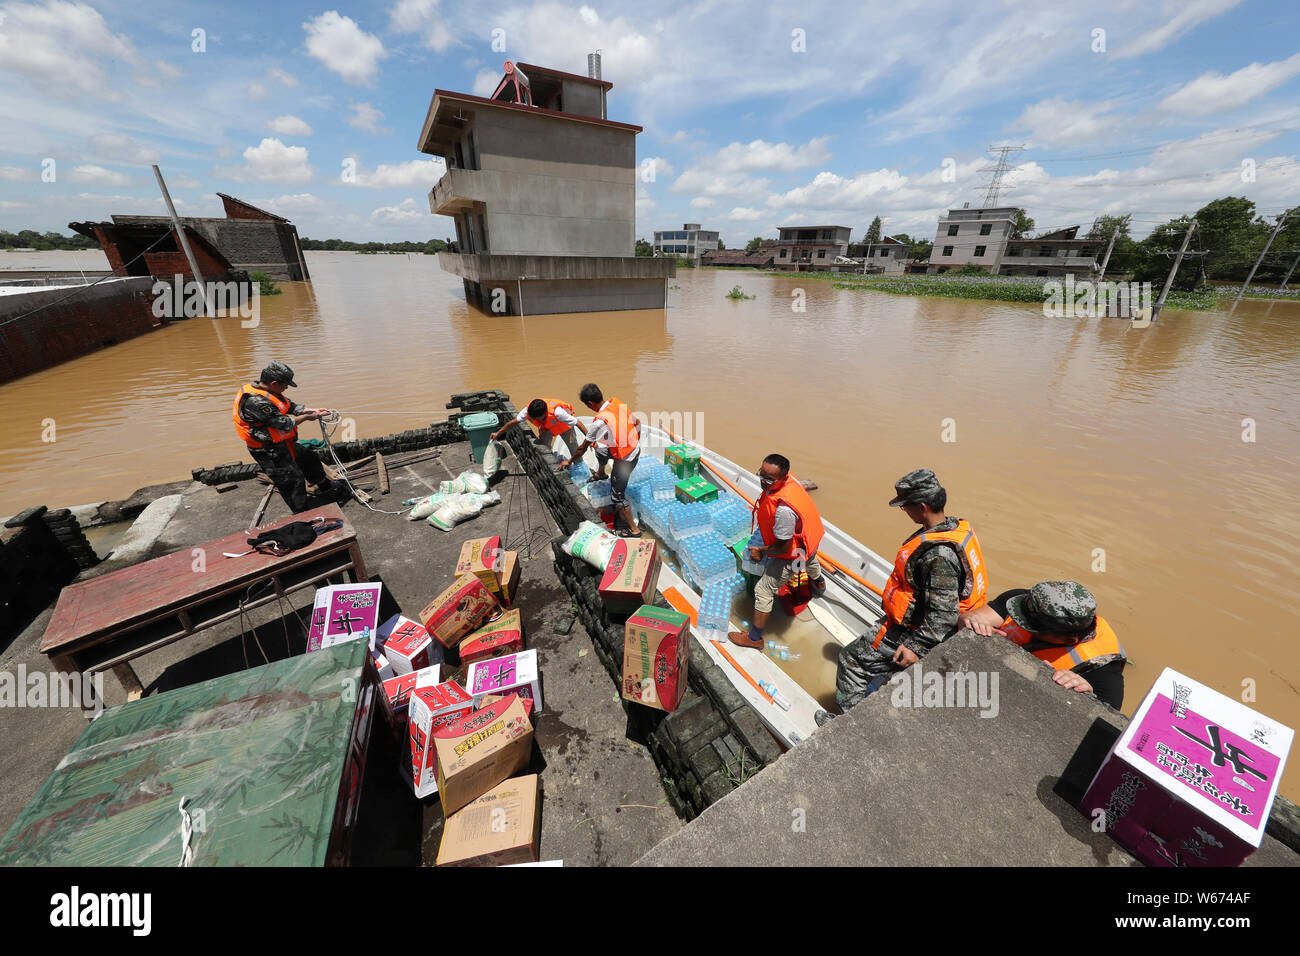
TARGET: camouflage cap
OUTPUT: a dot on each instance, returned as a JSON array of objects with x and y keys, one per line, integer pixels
[
  {"x": 1056, "y": 607},
  {"x": 914, "y": 486},
  {"x": 279, "y": 372}
]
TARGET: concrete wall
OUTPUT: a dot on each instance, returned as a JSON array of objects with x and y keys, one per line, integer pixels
[
  {"x": 251, "y": 245},
  {"x": 581, "y": 98},
  {"x": 553, "y": 296},
  {"x": 553, "y": 187},
  {"x": 967, "y": 239},
  {"x": 71, "y": 325}
]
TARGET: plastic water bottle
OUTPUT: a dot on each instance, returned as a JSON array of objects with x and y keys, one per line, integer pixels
[
  {"x": 778, "y": 698},
  {"x": 781, "y": 652},
  {"x": 750, "y": 566}
]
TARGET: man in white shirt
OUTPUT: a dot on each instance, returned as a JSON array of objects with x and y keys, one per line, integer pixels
[
  {"x": 616, "y": 437},
  {"x": 552, "y": 417}
]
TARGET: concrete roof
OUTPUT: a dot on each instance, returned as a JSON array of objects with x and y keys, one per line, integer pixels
[
  {"x": 532, "y": 68},
  {"x": 887, "y": 785},
  {"x": 450, "y": 96}
]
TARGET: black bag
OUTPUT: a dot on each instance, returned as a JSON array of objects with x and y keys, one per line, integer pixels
[{"x": 292, "y": 536}]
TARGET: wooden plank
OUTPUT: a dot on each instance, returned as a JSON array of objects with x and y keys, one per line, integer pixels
[
  {"x": 383, "y": 473},
  {"x": 261, "y": 508},
  {"x": 120, "y": 599}
]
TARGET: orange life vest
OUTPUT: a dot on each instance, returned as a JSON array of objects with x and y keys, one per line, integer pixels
[
  {"x": 1064, "y": 657},
  {"x": 550, "y": 423},
  {"x": 245, "y": 428},
  {"x": 625, "y": 433},
  {"x": 899, "y": 595},
  {"x": 808, "y": 528}
]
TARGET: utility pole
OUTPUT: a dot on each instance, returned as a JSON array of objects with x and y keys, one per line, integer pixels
[
  {"x": 1106, "y": 259},
  {"x": 1288, "y": 273},
  {"x": 1276, "y": 229},
  {"x": 1169, "y": 280},
  {"x": 185, "y": 243}
]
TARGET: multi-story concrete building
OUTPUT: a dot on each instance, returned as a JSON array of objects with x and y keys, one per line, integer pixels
[
  {"x": 982, "y": 237},
  {"x": 690, "y": 241},
  {"x": 541, "y": 187},
  {"x": 808, "y": 248},
  {"x": 887, "y": 255}
]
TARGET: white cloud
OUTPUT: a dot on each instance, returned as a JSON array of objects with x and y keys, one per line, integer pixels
[
  {"x": 288, "y": 79},
  {"x": 1059, "y": 122},
  {"x": 831, "y": 191},
  {"x": 654, "y": 166},
  {"x": 485, "y": 82},
  {"x": 17, "y": 174},
  {"x": 272, "y": 161},
  {"x": 64, "y": 48},
  {"x": 90, "y": 173},
  {"x": 1213, "y": 92},
  {"x": 1184, "y": 15},
  {"x": 679, "y": 137},
  {"x": 366, "y": 117},
  {"x": 344, "y": 47},
  {"x": 256, "y": 91},
  {"x": 292, "y": 203},
  {"x": 557, "y": 35},
  {"x": 703, "y": 202},
  {"x": 745, "y": 214},
  {"x": 421, "y": 16},
  {"x": 726, "y": 171},
  {"x": 290, "y": 125},
  {"x": 118, "y": 147},
  {"x": 419, "y": 173},
  {"x": 169, "y": 71},
  {"x": 408, "y": 210}
]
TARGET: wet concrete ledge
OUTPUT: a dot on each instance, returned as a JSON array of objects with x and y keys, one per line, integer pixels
[{"x": 887, "y": 785}]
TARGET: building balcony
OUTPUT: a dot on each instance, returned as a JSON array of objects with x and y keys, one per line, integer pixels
[{"x": 457, "y": 191}]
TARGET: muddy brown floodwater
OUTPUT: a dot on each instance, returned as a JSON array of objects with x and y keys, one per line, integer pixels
[{"x": 1079, "y": 444}]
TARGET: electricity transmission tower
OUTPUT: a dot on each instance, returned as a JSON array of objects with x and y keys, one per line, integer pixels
[{"x": 1000, "y": 169}]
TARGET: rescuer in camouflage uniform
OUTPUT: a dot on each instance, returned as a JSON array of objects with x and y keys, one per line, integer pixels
[
  {"x": 288, "y": 470},
  {"x": 935, "y": 574}
]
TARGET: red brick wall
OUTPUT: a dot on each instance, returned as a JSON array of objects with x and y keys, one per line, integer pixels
[{"x": 164, "y": 265}]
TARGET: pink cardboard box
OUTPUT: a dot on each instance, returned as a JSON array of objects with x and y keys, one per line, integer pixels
[
  {"x": 1192, "y": 779},
  {"x": 406, "y": 644},
  {"x": 342, "y": 612},
  {"x": 508, "y": 674}
]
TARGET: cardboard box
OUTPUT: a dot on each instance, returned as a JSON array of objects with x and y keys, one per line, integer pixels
[
  {"x": 510, "y": 579},
  {"x": 682, "y": 460},
  {"x": 483, "y": 558},
  {"x": 1192, "y": 779},
  {"x": 406, "y": 644},
  {"x": 509, "y": 674},
  {"x": 382, "y": 665},
  {"x": 398, "y": 690},
  {"x": 695, "y": 489},
  {"x": 656, "y": 655},
  {"x": 342, "y": 612},
  {"x": 464, "y": 606},
  {"x": 430, "y": 709},
  {"x": 500, "y": 828},
  {"x": 505, "y": 635},
  {"x": 478, "y": 752},
  {"x": 631, "y": 575}
]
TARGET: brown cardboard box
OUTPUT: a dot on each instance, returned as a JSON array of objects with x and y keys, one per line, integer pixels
[
  {"x": 483, "y": 558},
  {"x": 656, "y": 656},
  {"x": 505, "y": 635},
  {"x": 631, "y": 575},
  {"x": 477, "y": 752},
  {"x": 464, "y": 606},
  {"x": 509, "y": 579},
  {"x": 499, "y": 828}
]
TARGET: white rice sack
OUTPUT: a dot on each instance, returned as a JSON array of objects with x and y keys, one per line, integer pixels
[
  {"x": 592, "y": 543},
  {"x": 474, "y": 482},
  {"x": 487, "y": 500},
  {"x": 426, "y": 506},
  {"x": 455, "y": 486},
  {"x": 493, "y": 458},
  {"x": 453, "y": 511}
]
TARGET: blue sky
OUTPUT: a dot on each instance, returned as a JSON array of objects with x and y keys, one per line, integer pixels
[{"x": 755, "y": 115}]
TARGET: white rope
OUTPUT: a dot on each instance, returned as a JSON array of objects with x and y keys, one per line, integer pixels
[
  {"x": 187, "y": 834},
  {"x": 334, "y": 417}
]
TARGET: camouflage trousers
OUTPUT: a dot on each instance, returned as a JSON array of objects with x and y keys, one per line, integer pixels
[
  {"x": 862, "y": 671},
  {"x": 290, "y": 473}
]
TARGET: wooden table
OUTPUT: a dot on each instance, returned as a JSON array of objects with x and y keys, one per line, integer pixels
[{"x": 106, "y": 622}]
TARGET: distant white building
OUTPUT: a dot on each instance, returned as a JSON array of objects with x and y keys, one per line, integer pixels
[
  {"x": 982, "y": 237},
  {"x": 690, "y": 241},
  {"x": 887, "y": 255}
]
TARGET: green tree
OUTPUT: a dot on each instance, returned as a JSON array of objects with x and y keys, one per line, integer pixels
[
  {"x": 918, "y": 248},
  {"x": 873, "y": 232},
  {"x": 751, "y": 247},
  {"x": 721, "y": 246},
  {"x": 1023, "y": 227},
  {"x": 1127, "y": 253},
  {"x": 1231, "y": 236},
  {"x": 1158, "y": 253},
  {"x": 644, "y": 248}
]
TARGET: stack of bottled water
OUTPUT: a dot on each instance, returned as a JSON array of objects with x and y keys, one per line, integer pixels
[
  {"x": 731, "y": 520},
  {"x": 579, "y": 472},
  {"x": 687, "y": 520},
  {"x": 715, "y": 609},
  {"x": 599, "y": 494},
  {"x": 707, "y": 560},
  {"x": 664, "y": 485},
  {"x": 753, "y": 567}
]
